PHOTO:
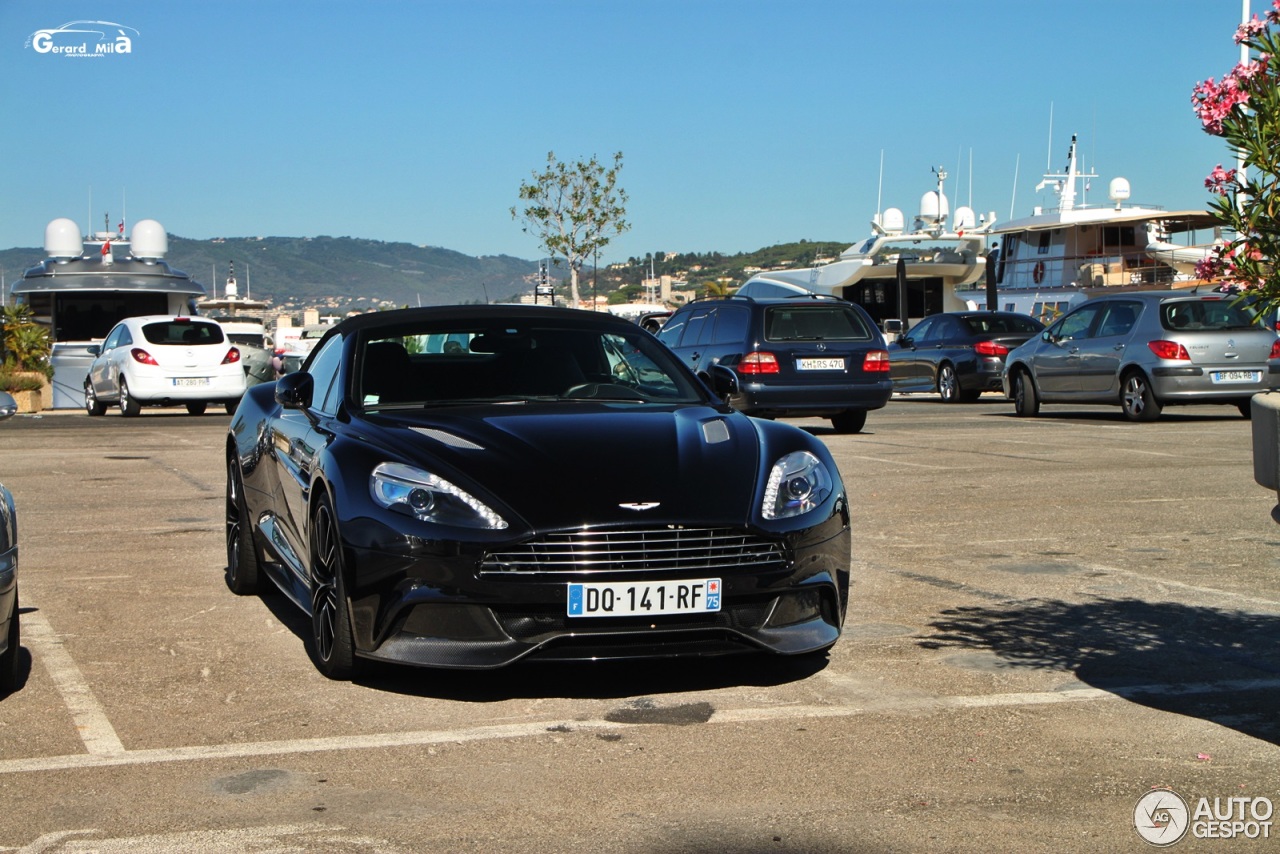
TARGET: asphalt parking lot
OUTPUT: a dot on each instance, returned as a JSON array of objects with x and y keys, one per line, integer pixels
[{"x": 1050, "y": 617}]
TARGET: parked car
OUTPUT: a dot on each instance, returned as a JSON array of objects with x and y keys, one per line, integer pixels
[
  {"x": 10, "y": 628},
  {"x": 159, "y": 360},
  {"x": 471, "y": 508},
  {"x": 1146, "y": 350},
  {"x": 796, "y": 356},
  {"x": 292, "y": 349},
  {"x": 256, "y": 349},
  {"x": 958, "y": 354}
]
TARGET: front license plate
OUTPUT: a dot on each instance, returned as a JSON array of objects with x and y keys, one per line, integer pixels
[
  {"x": 190, "y": 381},
  {"x": 822, "y": 364},
  {"x": 1237, "y": 376},
  {"x": 630, "y": 599}
]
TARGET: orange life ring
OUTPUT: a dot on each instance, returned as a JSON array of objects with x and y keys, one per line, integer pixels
[{"x": 1038, "y": 272}]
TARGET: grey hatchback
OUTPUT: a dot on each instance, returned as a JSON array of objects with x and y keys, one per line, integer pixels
[{"x": 1145, "y": 350}]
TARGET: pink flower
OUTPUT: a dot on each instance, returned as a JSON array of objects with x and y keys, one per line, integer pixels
[
  {"x": 1273, "y": 14},
  {"x": 1219, "y": 179},
  {"x": 1250, "y": 30}
]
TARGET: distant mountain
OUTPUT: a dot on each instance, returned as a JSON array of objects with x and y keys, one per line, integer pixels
[
  {"x": 354, "y": 273},
  {"x": 345, "y": 269}
]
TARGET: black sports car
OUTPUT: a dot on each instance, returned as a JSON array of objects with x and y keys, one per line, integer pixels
[{"x": 467, "y": 486}]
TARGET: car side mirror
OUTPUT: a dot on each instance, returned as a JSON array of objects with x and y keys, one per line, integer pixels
[
  {"x": 294, "y": 391},
  {"x": 724, "y": 382},
  {"x": 94, "y": 349},
  {"x": 8, "y": 406}
]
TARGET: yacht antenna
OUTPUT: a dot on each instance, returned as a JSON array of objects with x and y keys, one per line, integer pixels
[
  {"x": 880, "y": 188},
  {"x": 1013, "y": 197}
]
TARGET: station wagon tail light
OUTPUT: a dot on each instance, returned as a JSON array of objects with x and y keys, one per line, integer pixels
[
  {"x": 233, "y": 356},
  {"x": 990, "y": 348},
  {"x": 758, "y": 363},
  {"x": 876, "y": 361},
  {"x": 1171, "y": 350},
  {"x": 142, "y": 357},
  {"x": 1275, "y": 349}
]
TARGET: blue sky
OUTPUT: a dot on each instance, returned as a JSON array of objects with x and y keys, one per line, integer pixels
[{"x": 743, "y": 123}]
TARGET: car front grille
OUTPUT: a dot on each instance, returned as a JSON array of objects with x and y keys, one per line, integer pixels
[{"x": 674, "y": 549}]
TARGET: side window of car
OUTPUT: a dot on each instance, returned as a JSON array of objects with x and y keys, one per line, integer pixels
[
  {"x": 699, "y": 326},
  {"x": 113, "y": 339},
  {"x": 126, "y": 337},
  {"x": 669, "y": 334},
  {"x": 731, "y": 325},
  {"x": 920, "y": 332},
  {"x": 1119, "y": 318},
  {"x": 943, "y": 329},
  {"x": 324, "y": 371},
  {"x": 1077, "y": 324}
]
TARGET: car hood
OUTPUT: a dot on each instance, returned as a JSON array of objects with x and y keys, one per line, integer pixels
[{"x": 564, "y": 465}]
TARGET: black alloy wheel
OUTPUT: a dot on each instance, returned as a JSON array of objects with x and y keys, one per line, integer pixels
[
  {"x": 1025, "y": 401},
  {"x": 332, "y": 646},
  {"x": 242, "y": 552}
]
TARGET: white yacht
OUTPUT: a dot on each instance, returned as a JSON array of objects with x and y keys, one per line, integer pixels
[
  {"x": 82, "y": 290},
  {"x": 936, "y": 261},
  {"x": 1056, "y": 257}
]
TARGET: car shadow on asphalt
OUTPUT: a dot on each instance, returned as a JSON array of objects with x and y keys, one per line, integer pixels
[
  {"x": 598, "y": 680},
  {"x": 1218, "y": 665}
]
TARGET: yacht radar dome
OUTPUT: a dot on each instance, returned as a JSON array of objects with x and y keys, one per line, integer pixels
[
  {"x": 1119, "y": 191},
  {"x": 933, "y": 207},
  {"x": 965, "y": 219},
  {"x": 62, "y": 240},
  {"x": 149, "y": 240},
  {"x": 893, "y": 221}
]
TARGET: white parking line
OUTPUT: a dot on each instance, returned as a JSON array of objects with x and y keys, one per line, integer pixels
[
  {"x": 420, "y": 738},
  {"x": 91, "y": 721}
]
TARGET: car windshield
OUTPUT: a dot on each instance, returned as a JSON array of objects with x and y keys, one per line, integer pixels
[
  {"x": 446, "y": 364},
  {"x": 182, "y": 331},
  {"x": 1202, "y": 314},
  {"x": 1003, "y": 323},
  {"x": 814, "y": 323}
]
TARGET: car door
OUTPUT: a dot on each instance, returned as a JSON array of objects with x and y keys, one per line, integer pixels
[
  {"x": 697, "y": 323},
  {"x": 730, "y": 326},
  {"x": 1056, "y": 363},
  {"x": 1103, "y": 352},
  {"x": 907, "y": 366},
  {"x": 295, "y": 442},
  {"x": 104, "y": 373}
]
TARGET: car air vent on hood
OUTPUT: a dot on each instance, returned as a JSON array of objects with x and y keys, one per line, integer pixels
[
  {"x": 447, "y": 438},
  {"x": 715, "y": 431}
]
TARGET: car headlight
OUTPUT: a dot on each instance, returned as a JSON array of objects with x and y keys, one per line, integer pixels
[
  {"x": 798, "y": 483},
  {"x": 430, "y": 498}
]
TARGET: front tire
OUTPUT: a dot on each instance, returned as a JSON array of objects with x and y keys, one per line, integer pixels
[
  {"x": 332, "y": 645},
  {"x": 849, "y": 421},
  {"x": 242, "y": 550},
  {"x": 1026, "y": 403},
  {"x": 129, "y": 408},
  {"x": 92, "y": 405},
  {"x": 9, "y": 675},
  {"x": 948, "y": 383},
  {"x": 1137, "y": 399}
]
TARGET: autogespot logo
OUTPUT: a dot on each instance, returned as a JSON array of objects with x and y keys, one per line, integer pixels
[
  {"x": 84, "y": 39},
  {"x": 1162, "y": 818}
]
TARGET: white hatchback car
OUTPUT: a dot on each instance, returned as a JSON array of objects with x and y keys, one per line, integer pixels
[{"x": 163, "y": 361}]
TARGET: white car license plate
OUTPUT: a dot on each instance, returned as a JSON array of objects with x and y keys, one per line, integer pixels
[
  {"x": 822, "y": 364},
  {"x": 190, "y": 381},
  {"x": 1237, "y": 376},
  {"x": 644, "y": 598}
]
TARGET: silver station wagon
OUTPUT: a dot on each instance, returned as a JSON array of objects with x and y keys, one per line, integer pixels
[{"x": 1146, "y": 350}]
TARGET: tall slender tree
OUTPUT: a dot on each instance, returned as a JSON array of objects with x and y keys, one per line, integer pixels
[{"x": 574, "y": 210}]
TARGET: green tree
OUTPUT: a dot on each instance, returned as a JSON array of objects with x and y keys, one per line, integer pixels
[
  {"x": 574, "y": 210},
  {"x": 1244, "y": 109}
]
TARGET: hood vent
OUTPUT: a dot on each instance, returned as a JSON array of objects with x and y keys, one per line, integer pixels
[{"x": 447, "y": 438}]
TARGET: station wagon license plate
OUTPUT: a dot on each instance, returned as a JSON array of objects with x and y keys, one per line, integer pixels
[
  {"x": 821, "y": 364},
  {"x": 651, "y": 598},
  {"x": 190, "y": 381},
  {"x": 1237, "y": 376}
]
